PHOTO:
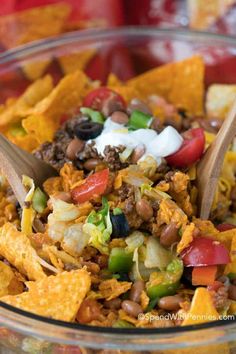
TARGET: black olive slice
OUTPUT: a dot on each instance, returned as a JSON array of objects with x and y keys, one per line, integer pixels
[
  {"x": 120, "y": 226},
  {"x": 88, "y": 130}
]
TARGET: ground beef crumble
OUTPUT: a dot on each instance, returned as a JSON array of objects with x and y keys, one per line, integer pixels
[
  {"x": 112, "y": 158},
  {"x": 220, "y": 298}
]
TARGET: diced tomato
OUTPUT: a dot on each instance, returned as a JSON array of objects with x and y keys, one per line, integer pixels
[
  {"x": 96, "y": 98},
  {"x": 191, "y": 149},
  {"x": 94, "y": 185},
  {"x": 203, "y": 252},
  {"x": 204, "y": 275},
  {"x": 225, "y": 227},
  {"x": 215, "y": 285}
]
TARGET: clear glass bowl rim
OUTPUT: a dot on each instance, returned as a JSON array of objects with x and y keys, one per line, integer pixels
[{"x": 8, "y": 312}]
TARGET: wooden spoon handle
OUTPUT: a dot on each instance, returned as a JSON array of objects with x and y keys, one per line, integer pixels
[
  {"x": 209, "y": 167},
  {"x": 16, "y": 162}
]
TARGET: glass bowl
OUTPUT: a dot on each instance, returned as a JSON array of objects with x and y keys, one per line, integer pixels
[{"x": 125, "y": 52}]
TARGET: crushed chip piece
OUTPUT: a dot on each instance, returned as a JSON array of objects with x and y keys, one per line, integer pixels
[
  {"x": 16, "y": 248},
  {"x": 202, "y": 308},
  {"x": 186, "y": 238},
  {"x": 57, "y": 297},
  {"x": 219, "y": 100},
  {"x": 112, "y": 288}
]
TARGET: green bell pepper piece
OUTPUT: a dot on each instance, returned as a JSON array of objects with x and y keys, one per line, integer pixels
[
  {"x": 158, "y": 291},
  {"x": 139, "y": 120},
  {"x": 231, "y": 276},
  {"x": 95, "y": 116},
  {"x": 119, "y": 260},
  {"x": 170, "y": 283},
  {"x": 39, "y": 200}
]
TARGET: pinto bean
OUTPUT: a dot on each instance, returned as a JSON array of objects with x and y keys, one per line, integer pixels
[
  {"x": 156, "y": 124},
  {"x": 170, "y": 303},
  {"x": 113, "y": 304},
  {"x": 89, "y": 310},
  {"x": 74, "y": 147},
  {"x": 119, "y": 117},
  {"x": 131, "y": 308},
  {"x": 144, "y": 209},
  {"x": 137, "y": 153},
  {"x": 136, "y": 290},
  {"x": 91, "y": 164},
  {"x": 169, "y": 235}
]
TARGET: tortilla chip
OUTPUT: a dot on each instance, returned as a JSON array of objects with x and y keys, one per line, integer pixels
[
  {"x": 202, "y": 308},
  {"x": 113, "y": 80},
  {"x": 76, "y": 61},
  {"x": 40, "y": 128},
  {"x": 9, "y": 284},
  {"x": 57, "y": 297},
  {"x": 186, "y": 238},
  {"x": 219, "y": 100},
  {"x": 33, "y": 70},
  {"x": 68, "y": 94},
  {"x": 32, "y": 95},
  {"x": 231, "y": 267},
  {"x": 180, "y": 83},
  {"x": 27, "y": 142},
  {"x": 16, "y": 248},
  {"x": 32, "y": 24}
]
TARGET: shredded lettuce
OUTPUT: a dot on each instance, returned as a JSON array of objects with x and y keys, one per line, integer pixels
[
  {"x": 134, "y": 241},
  {"x": 156, "y": 254},
  {"x": 153, "y": 193},
  {"x": 28, "y": 213},
  {"x": 99, "y": 227}
]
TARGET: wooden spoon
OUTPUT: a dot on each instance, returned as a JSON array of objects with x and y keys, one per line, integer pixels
[
  {"x": 15, "y": 162},
  {"x": 209, "y": 167}
]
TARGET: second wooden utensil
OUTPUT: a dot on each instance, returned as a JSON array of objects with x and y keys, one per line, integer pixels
[{"x": 210, "y": 165}]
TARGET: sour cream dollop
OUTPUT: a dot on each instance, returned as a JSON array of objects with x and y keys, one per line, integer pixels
[{"x": 156, "y": 145}]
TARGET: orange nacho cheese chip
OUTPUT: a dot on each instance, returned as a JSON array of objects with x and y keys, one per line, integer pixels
[
  {"x": 44, "y": 117},
  {"x": 36, "y": 92},
  {"x": 202, "y": 308},
  {"x": 76, "y": 61},
  {"x": 16, "y": 248},
  {"x": 9, "y": 284},
  {"x": 33, "y": 24},
  {"x": 57, "y": 297},
  {"x": 181, "y": 83}
]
